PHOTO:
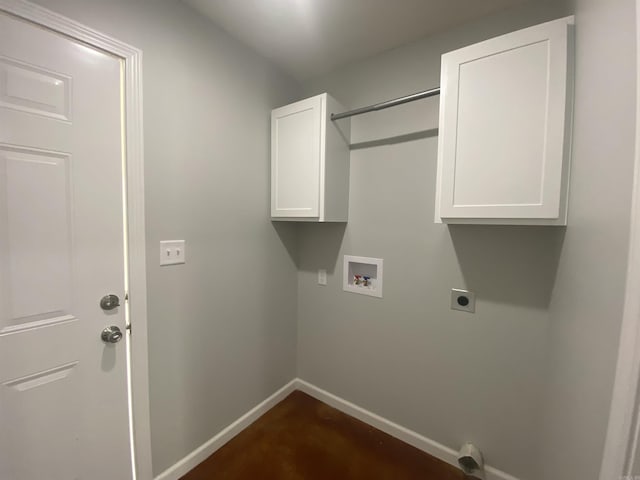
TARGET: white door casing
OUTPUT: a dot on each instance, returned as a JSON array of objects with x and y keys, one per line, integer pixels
[
  {"x": 61, "y": 388},
  {"x": 622, "y": 445}
]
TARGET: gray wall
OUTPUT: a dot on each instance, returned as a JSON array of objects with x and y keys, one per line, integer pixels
[
  {"x": 586, "y": 308},
  {"x": 532, "y": 369},
  {"x": 222, "y": 328},
  {"x": 484, "y": 378}
]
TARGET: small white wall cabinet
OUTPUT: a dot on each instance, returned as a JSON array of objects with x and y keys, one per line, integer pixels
[
  {"x": 309, "y": 162},
  {"x": 505, "y": 128}
]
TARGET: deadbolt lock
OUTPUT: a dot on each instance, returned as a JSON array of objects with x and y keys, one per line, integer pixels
[{"x": 109, "y": 302}]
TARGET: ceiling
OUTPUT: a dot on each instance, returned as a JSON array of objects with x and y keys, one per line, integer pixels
[{"x": 312, "y": 37}]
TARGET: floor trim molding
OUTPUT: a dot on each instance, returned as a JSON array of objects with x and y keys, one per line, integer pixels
[
  {"x": 421, "y": 442},
  {"x": 201, "y": 453}
]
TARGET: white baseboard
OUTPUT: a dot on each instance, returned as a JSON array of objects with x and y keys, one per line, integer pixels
[
  {"x": 200, "y": 454},
  {"x": 425, "y": 444}
]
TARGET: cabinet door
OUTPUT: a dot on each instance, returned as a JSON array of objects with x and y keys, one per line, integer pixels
[
  {"x": 295, "y": 159},
  {"x": 503, "y": 120}
]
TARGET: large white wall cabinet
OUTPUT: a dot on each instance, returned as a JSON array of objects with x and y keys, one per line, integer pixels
[
  {"x": 309, "y": 162},
  {"x": 505, "y": 128}
]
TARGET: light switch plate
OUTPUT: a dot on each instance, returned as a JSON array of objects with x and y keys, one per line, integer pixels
[
  {"x": 463, "y": 300},
  {"x": 322, "y": 277},
  {"x": 172, "y": 252}
]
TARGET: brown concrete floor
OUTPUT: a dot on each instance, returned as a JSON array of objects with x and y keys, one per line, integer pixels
[{"x": 302, "y": 438}]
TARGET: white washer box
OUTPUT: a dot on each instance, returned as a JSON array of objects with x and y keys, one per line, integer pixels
[{"x": 364, "y": 266}]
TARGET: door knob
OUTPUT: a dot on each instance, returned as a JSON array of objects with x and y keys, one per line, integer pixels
[
  {"x": 111, "y": 334},
  {"x": 109, "y": 302}
]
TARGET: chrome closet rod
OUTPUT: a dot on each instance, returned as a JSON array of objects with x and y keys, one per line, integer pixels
[{"x": 389, "y": 103}]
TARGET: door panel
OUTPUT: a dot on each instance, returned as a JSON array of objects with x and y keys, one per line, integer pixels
[
  {"x": 47, "y": 397},
  {"x": 295, "y": 159},
  {"x": 38, "y": 232},
  {"x": 63, "y": 391},
  {"x": 31, "y": 89}
]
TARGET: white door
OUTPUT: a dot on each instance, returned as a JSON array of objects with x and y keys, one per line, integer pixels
[
  {"x": 295, "y": 159},
  {"x": 63, "y": 390},
  {"x": 503, "y": 145}
]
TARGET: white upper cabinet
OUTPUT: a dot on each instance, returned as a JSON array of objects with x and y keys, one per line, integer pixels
[
  {"x": 505, "y": 128},
  {"x": 309, "y": 162}
]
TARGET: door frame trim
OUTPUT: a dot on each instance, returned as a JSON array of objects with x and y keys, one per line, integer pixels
[
  {"x": 134, "y": 153},
  {"x": 622, "y": 432}
]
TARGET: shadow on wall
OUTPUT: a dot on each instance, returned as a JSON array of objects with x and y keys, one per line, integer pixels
[
  {"x": 433, "y": 132},
  {"x": 325, "y": 243},
  {"x": 509, "y": 264},
  {"x": 344, "y": 129},
  {"x": 289, "y": 237}
]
